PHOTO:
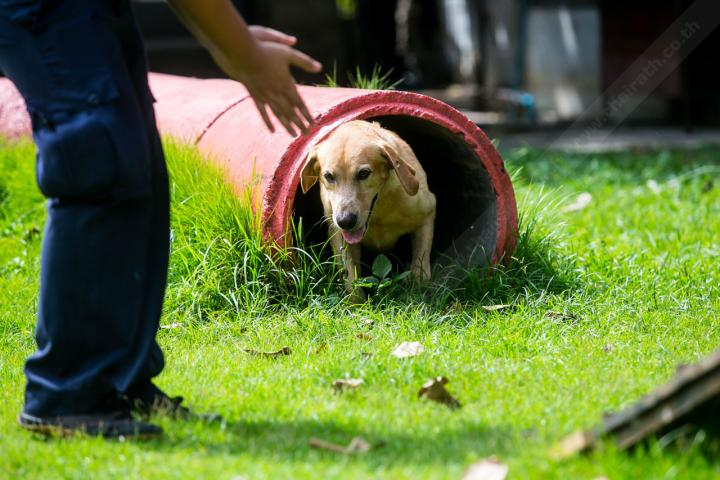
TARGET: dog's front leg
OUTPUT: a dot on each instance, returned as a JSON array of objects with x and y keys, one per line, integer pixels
[
  {"x": 421, "y": 248},
  {"x": 348, "y": 258},
  {"x": 351, "y": 259}
]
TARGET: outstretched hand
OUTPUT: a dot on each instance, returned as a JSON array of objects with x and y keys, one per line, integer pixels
[
  {"x": 259, "y": 57},
  {"x": 269, "y": 81},
  {"x": 267, "y": 34}
]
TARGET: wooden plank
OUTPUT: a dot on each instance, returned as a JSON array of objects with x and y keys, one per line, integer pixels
[{"x": 694, "y": 388}]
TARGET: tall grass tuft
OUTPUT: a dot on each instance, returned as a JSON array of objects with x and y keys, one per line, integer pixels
[
  {"x": 375, "y": 80},
  {"x": 220, "y": 264},
  {"x": 539, "y": 265}
]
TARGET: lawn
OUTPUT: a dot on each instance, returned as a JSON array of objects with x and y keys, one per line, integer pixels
[{"x": 633, "y": 279}]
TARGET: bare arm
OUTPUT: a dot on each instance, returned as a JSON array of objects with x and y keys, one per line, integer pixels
[{"x": 258, "y": 57}]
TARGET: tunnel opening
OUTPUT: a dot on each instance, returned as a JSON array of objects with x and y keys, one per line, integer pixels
[{"x": 466, "y": 222}]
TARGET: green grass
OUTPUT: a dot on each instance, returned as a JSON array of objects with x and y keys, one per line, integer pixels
[
  {"x": 374, "y": 80},
  {"x": 638, "y": 267}
]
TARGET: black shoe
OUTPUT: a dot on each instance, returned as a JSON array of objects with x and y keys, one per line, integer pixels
[
  {"x": 114, "y": 424},
  {"x": 150, "y": 400}
]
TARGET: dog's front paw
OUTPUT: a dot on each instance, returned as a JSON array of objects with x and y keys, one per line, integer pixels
[{"x": 421, "y": 273}]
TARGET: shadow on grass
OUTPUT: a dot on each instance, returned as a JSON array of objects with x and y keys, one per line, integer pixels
[{"x": 291, "y": 440}]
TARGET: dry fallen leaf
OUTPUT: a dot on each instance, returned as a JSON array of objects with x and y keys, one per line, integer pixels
[
  {"x": 367, "y": 322},
  {"x": 172, "y": 325},
  {"x": 571, "y": 445},
  {"x": 488, "y": 469},
  {"x": 654, "y": 186},
  {"x": 435, "y": 390},
  {"x": 321, "y": 348},
  {"x": 495, "y": 308},
  {"x": 455, "y": 307},
  {"x": 561, "y": 315},
  {"x": 363, "y": 336},
  {"x": 347, "y": 384},
  {"x": 580, "y": 202},
  {"x": 279, "y": 353},
  {"x": 31, "y": 234},
  {"x": 408, "y": 349},
  {"x": 356, "y": 445}
]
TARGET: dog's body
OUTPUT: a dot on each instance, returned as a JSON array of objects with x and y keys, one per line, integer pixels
[{"x": 373, "y": 191}]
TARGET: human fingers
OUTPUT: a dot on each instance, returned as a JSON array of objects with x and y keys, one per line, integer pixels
[
  {"x": 304, "y": 62},
  {"x": 300, "y": 114},
  {"x": 262, "y": 109},
  {"x": 291, "y": 107},
  {"x": 299, "y": 120},
  {"x": 284, "y": 115},
  {"x": 267, "y": 34},
  {"x": 300, "y": 106},
  {"x": 296, "y": 117}
]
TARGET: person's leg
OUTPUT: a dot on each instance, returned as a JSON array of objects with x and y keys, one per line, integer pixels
[
  {"x": 95, "y": 164},
  {"x": 148, "y": 357},
  {"x": 142, "y": 394},
  {"x": 141, "y": 386}
]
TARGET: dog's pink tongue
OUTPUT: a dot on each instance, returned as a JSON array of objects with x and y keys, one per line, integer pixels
[{"x": 354, "y": 236}]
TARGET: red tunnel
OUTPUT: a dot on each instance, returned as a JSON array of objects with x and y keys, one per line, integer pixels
[{"x": 476, "y": 213}]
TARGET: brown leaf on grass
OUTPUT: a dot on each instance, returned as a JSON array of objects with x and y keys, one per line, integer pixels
[
  {"x": 581, "y": 201},
  {"x": 356, "y": 445},
  {"x": 172, "y": 325},
  {"x": 571, "y": 445},
  {"x": 343, "y": 384},
  {"x": 363, "y": 336},
  {"x": 488, "y": 469},
  {"x": 367, "y": 322},
  {"x": 454, "y": 307},
  {"x": 31, "y": 234},
  {"x": 408, "y": 349},
  {"x": 495, "y": 308},
  {"x": 563, "y": 316},
  {"x": 435, "y": 390},
  {"x": 321, "y": 348},
  {"x": 283, "y": 351}
]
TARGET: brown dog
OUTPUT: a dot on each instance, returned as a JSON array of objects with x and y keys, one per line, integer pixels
[{"x": 373, "y": 191}]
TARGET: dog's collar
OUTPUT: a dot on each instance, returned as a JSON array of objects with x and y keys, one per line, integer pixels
[{"x": 372, "y": 206}]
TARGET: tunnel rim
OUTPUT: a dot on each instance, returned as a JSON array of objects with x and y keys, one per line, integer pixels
[{"x": 286, "y": 179}]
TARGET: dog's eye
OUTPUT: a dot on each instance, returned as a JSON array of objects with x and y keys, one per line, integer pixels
[
  {"x": 329, "y": 177},
  {"x": 363, "y": 174}
]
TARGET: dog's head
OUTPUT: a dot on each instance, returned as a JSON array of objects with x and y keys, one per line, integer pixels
[{"x": 353, "y": 165}]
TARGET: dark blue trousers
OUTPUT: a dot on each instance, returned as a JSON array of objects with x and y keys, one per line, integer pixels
[{"x": 81, "y": 67}]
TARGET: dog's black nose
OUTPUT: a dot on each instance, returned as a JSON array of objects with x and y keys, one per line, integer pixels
[{"x": 346, "y": 221}]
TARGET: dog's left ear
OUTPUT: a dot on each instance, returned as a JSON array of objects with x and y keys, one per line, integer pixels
[
  {"x": 405, "y": 173},
  {"x": 309, "y": 173}
]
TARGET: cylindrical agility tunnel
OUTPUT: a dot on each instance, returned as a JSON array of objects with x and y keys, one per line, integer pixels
[{"x": 476, "y": 219}]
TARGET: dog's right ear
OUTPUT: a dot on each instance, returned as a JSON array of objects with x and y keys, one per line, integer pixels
[
  {"x": 405, "y": 173},
  {"x": 309, "y": 173}
]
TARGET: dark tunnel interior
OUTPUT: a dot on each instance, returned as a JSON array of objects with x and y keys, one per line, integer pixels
[{"x": 466, "y": 220}]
